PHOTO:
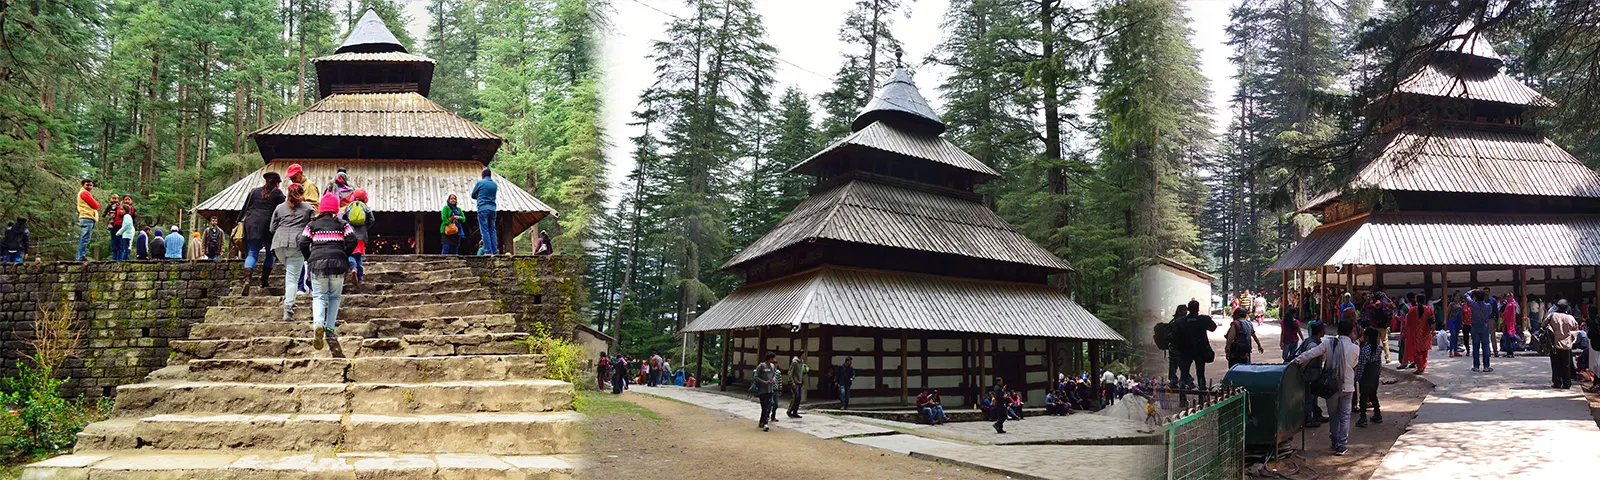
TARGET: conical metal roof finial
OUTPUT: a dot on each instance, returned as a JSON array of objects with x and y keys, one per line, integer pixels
[
  {"x": 899, "y": 104},
  {"x": 370, "y": 35},
  {"x": 1472, "y": 44}
]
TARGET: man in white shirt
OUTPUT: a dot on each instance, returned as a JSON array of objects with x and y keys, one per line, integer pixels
[{"x": 1342, "y": 353}]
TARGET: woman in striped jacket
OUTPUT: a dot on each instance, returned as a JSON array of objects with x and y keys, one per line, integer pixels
[{"x": 327, "y": 244}]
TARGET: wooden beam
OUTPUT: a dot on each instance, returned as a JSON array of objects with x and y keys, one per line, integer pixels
[
  {"x": 418, "y": 220},
  {"x": 1094, "y": 369},
  {"x": 727, "y": 357},
  {"x": 1444, "y": 286},
  {"x": 700, "y": 357},
  {"x": 905, "y": 348}
]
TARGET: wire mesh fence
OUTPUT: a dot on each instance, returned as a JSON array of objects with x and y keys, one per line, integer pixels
[{"x": 1206, "y": 440}]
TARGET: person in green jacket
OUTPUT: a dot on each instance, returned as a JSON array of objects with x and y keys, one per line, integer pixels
[
  {"x": 451, "y": 215},
  {"x": 797, "y": 382}
]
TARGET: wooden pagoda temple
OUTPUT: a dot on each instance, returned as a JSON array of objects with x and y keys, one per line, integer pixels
[
  {"x": 1459, "y": 193},
  {"x": 892, "y": 260},
  {"x": 373, "y": 118}
]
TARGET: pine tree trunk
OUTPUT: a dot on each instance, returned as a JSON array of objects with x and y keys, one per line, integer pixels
[
  {"x": 147, "y": 167},
  {"x": 239, "y": 106},
  {"x": 47, "y": 103},
  {"x": 1056, "y": 178}
]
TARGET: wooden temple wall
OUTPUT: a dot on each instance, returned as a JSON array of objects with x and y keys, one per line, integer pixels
[{"x": 959, "y": 365}]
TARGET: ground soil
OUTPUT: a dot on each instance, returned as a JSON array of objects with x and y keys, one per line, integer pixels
[
  {"x": 1368, "y": 446},
  {"x": 692, "y": 442}
]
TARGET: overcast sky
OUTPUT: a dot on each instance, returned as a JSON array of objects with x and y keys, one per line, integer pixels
[{"x": 806, "y": 36}]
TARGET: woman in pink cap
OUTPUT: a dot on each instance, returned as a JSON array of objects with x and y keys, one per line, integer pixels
[{"x": 327, "y": 244}]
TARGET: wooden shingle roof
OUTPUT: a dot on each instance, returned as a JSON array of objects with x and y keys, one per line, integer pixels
[
  {"x": 891, "y": 300},
  {"x": 881, "y": 215},
  {"x": 885, "y": 137},
  {"x": 406, "y": 114}
]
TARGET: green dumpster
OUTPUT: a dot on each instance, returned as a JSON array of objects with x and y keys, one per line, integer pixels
[{"x": 1276, "y": 399}]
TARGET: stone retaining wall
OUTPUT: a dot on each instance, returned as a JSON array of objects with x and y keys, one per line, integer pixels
[{"x": 128, "y": 311}]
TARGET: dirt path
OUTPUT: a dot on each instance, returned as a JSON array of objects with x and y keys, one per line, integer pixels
[
  {"x": 692, "y": 442},
  {"x": 1367, "y": 446}
]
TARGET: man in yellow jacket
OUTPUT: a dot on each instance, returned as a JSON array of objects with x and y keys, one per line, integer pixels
[{"x": 88, "y": 214}]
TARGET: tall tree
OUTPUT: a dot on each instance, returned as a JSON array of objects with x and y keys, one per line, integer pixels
[{"x": 874, "y": 51}]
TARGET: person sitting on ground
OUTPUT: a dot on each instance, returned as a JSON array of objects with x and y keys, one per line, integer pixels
[
  {"x": 930, "y": 408},
  {"x": 1054, "y": 405},
  {"x": 1014, "y": 400}
]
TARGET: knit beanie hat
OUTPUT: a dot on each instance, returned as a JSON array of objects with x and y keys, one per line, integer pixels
[{"x": 328, "y": 204}]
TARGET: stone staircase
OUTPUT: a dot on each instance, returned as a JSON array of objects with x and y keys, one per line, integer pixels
[{"x": 425, "y": 379}]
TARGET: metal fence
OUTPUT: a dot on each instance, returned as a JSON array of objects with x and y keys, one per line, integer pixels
[{"x": 1206, "y": 441}]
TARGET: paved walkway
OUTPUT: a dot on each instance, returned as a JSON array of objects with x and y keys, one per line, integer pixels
[
  {"x": 1505, "y": 424},
  {"x": 948, "y": 443}
]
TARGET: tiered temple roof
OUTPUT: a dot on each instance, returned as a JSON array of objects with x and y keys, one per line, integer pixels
[
  {"x": 1456, "y": 178},
  {"x": 894, "y": 237},
  {"x": 374, "y": 119}
]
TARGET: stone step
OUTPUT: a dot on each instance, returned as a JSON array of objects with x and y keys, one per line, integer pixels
[
  {"x": 169, "y": 397},
  {"x": 364, "y": 369},
  {"x": 284, "y": 465},
  {"x": 350, "y": 347},
  {"x": 275, "y": 288},
  {"x": 488, "y": 433},
  {"x": 380, "y": 299},
  {"x": 373, "y": 282},
  {"x": 357, "y": 313},
  {"x": 379, "y": 327}
]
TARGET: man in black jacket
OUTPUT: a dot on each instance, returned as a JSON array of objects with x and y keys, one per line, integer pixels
[
  {"x": 845, "y": 376},
  {"x": 1196, "y": 345},
  {"x": 15, "y": 244}
]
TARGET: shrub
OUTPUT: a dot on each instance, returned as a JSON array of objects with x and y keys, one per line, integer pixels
[
  {"x": 563, "y": 359},
  {"x": 37, "y": 420}
]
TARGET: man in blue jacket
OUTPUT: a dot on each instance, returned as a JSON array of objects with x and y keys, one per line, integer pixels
[{"x": 483, "y": 193}]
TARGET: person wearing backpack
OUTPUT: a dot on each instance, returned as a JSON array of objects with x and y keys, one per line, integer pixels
[
  {"x": 358, "y": 216},
  {"x": 1163, "y": 336},
  {"x": 1382, "y": 318},
  {"x": 1289, "y": 338},
  {"x": 1313, "y": 413},
  {"x": 1239, "y": 336},
  {"x": 1194, "y": 346},
  {"x": 1340, "y": 356}
]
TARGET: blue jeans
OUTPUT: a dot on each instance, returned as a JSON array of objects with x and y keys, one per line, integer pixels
[
  {"x": 293, "y": 263},
  {"x": 449, "y": 249},
  {"x": 325, "y": 293},
  {"x": 1312, "y": 410},
  {"x": 1480, "y": 345},
  {"x": 252, "y": 248},
  {"x": 11, "y": 257},
  {"x": 1341, "y": 405},
  {"x": 844, "y": 395},
  {"x": 85, "y": 231},
  {"x": 1455, "y": 337},
  {"x": 357, "y": 266},
  {"x": 486, "y": 231},
  {"x": 934, "y": 413}
]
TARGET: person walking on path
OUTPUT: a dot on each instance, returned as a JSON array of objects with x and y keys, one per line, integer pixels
[
  {"x": 845, "y": 376},
  {"x": 356, "y": 213},
  {"x": 1417, "y": 332},
  {"x": 1368, "y": 364},
  {"x": 326, "y": 243},
  {"x": 256, "y": 216},
  {"x": 288, "y": 221},
  {"x": 1341, "y": 354},
  {"x": 1240, "y": 333},
  {"x": 766, "y": 377},
  {"x": 175, "y": 243},
  {"x": 1164, "y": 339},
  {"x": 1593, "y": 327},
  {"x": 1453, "y": 320},
  {"x": 15, "y": 244},
  {"x": 1195, "y": 346},
  {"x": 484, "y": 193},
  {"x": 1481, "y": 321},
  {"x": 88, "y": 214},
  {"x": 1509, "y": 340},
  {"x": 341, "y": 187},
  {"x": 797, "y": 382},
  {"x": 1289, "y": 339},
  {"x": 619, "y": 374},
  {"x": 452, "y": 227},
  {"x": 213, "y": 240},
  {"x": 602, "y": 371},
  {"x": 1245, "y": 302},
  {"x": 1564, "y": 332},
  {"x": 999, "y": 407}
]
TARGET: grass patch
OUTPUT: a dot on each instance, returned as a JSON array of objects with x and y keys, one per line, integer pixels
[{"x": 601, "y": 406}]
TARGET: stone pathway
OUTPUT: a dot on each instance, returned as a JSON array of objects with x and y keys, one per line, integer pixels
[
  {"x": 965, "y": 444},
  {"x": 1505, "y": 424},
  {"x": 427, "y": 379}
]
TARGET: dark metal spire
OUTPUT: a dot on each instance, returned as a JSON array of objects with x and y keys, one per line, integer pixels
[
  {"x": 898, "y": 103},
  {"x": 370, "y": 35}
]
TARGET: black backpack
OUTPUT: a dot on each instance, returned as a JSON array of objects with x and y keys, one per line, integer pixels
[{"x": 1163, "y": 336}]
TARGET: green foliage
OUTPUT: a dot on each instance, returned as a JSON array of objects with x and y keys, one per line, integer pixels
[
  {"x": 564, "y": 360},
  {"x": 36, "y": 420}
]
